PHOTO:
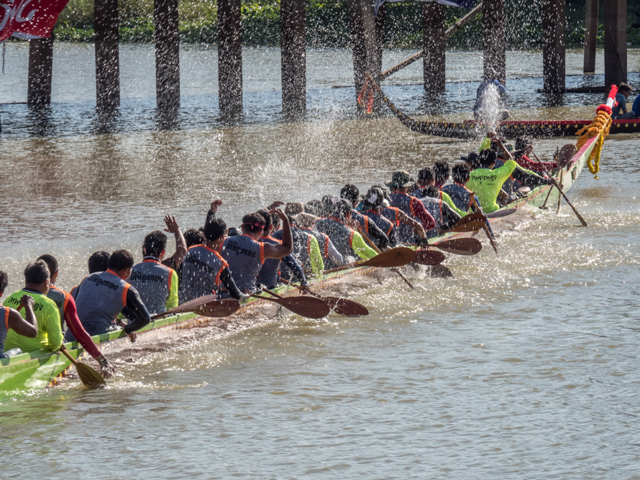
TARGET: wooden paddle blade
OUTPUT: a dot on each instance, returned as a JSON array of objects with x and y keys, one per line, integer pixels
[
  {"x": 469, "y": 223},
  {"x": 460, "y": 246},
  {"x": 395, "y": 257},
  {"x": 348, "y": 308},
  {"x": 305, "y": 306},
  {"x": 219, "y": 308},
  {"x": 503, "y": 212},
  {"x": 89, "y": 377},
  {"x": 429, "y": 257}
]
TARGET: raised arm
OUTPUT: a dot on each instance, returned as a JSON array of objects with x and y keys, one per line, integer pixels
[
  {"x": 181, "y": 244},
  {"x": 280, "y": 251}
]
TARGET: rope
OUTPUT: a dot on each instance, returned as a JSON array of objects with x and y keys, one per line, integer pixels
[{"x": 600, "y": 126}]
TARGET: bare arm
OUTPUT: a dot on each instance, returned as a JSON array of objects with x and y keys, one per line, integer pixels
[
  {"x": 280, "y": 251},
  {"x": 417, "y": 227},
  {"x": 181, "y": 243},
  {"x": 28, "y": 326}
]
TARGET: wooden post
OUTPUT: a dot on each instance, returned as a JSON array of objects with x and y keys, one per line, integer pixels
[
  {"x": 434, "y": 46},
  {"x": 230, "y": 59},
  {"x": 494, "y": 42},
  {"x": 615, "y": 42},
  {"x": 107, "y": 59},
  {"x": 364, "y": 41},
  {"x": 590, "y": 36},
  {"x": 40, "y": 69},
  {"x": 293, "y": 54},
  {"x": 553, "y": 53},
  {"x": 167, "y": 39}
]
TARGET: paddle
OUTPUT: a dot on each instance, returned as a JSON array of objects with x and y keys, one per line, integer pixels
[
  {"x": 429, "y": 257},
  {"x": 304, "y": 306},
  {"x": 207, "y": 306},
  {"x": 557, "y": 185},
  {"x": 458, "y": 246},
  {"x": 394, "y": 257},
  {"x": 469, "y": 223},
  {"x": 342, "y": 306},
  {"x": 88, "y": 376},
  {"x": 503, "y": 212}
]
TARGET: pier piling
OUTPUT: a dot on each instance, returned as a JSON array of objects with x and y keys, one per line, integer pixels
[
  {"x": 615, "y": 42},
  {"x": 293, "y": 58},
  {"x": 434, "y": 44},
  {"x": 107, "y": 56},
  {"x": 167, "y": 46},
  {"x": 494, "y": 43},
  {"x": 553, "y": 50},
  {"x": 590, "y": 36},
  {"x": 230, "y": 59},
  {"x": 40, "y": 72}
]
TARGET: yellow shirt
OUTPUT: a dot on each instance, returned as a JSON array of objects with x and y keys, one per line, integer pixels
[{"x": 49, "y": 335}]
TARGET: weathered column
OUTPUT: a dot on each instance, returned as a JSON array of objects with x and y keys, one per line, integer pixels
[
  {"x": 107, "y": 55},
  {"x": 40, "y": 69},
  {"x": 434, "y": 44},
  {"x": 494, "y": 42},
  {"x": 364, "y": 41},
  {"x": 590, "y": 36},
  {"x": 553, "y": 51},
  {"x": 230, "y": 59},
  {"x": 167, "y": 38},
  {"x": 293, "y": 58},
  {"x": 615, "y": 42}
]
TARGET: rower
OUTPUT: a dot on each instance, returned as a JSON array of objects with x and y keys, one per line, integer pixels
[
  {"x": 204, "y": 271},
  {"x": 411, "y": 206},
  {"x": 245, "y": 255},
  {"x": 428, "y": 177},
  {"x": 457, "y": 191},
  {"x": 348, "y": 242},
  {"x": 444, "y": 215},
  {"x": 156, "y": 283},
  {"x": 520, "y": 177},
  {"x": 620, "y": 111},
  {"x": 68, "y": 313},
  {"x": 36, "y": 285},
  {"x": 11, "y": 319},
  {"x": 486, "y": 182},
  {"x": 268, "y": 275},
  {"x": 103, "y": 295},
  {"x": 98, "y": 261},
  {"x": 175, "y": 260},
  {"x": 351, "y": 194},
  {"x": 306, "y": 222},
  {"x": 524, "y": 148}
]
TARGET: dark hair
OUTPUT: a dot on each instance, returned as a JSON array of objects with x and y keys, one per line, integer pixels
[
  {"x": 268, "y": 220},
  {"x": 193, "y": 237},
  {"x": 425, "y": 176},
  {"x": 50, "y": 260},
  {"x": 233, "y": 232},
  {"x": 275, "y": 221},
  {"x": 214, "y": 229},
  {"x": 441, "y": 171},
  {"x": 154, "y": 243},
  {"x": 328, "y": 202},
  {"x": 472, "y": 160},
  {"x": 624, "y": 87},
  {"x": 99, "y": 261},
  {"x": 120, "y": 260},
  {"x": 4, "y": 280},
  {"x": 341, "y": 208},
  {"x": 36, "y": 273},
  {"x": 431, "y": 191},
  {"x": 253, "y": 222},
  {"x": 350, "y": 192},
  {"x": 379, "y": 197},
  {"x": 314, "y": 207},
  {"x": 487, "y": 158},
  {"x": 522, "y": 143},
  {"x": 460, "y": 173}
]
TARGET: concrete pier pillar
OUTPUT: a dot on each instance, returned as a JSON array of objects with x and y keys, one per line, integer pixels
[
  {"x": 590, "y": 36},
  {"x": 107, "y": 56},
  {"x": 615, "y": 42},
  {"x": 293, "y": 55},
  {"x": 553, "y": 41},
  {"x": 230, "y": 59},
  {"x": 434, "y": 44},
  {"x": 494, "y": 42},
  {"x": 167, "y": 44},
  {"x": 40, "y": 72}
]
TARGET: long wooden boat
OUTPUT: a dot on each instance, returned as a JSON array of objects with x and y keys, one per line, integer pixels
[{"x": 34, "y": 371}]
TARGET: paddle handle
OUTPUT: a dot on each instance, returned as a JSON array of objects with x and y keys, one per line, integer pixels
[{"x": 68, "y": 355}]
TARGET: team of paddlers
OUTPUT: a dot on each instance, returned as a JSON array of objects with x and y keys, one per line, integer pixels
[{"x": 270, "y": 246}]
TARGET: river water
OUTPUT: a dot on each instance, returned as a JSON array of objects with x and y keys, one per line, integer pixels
[{"x": 524, "y": 365}]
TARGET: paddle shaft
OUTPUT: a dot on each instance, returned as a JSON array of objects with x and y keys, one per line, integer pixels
[{"x": 557, "y": 185}]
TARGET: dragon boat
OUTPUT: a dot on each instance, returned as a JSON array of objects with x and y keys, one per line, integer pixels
[{"x": 33, "y": 371}]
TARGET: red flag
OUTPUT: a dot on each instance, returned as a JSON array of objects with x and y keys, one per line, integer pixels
[{"x": 29, "y": 18}]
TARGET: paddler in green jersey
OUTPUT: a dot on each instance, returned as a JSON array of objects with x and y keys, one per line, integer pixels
[
  {"x": 486, "y": 183},
  {"x": 49, "y": 337},
  {"x": 10, "y": 319}
]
